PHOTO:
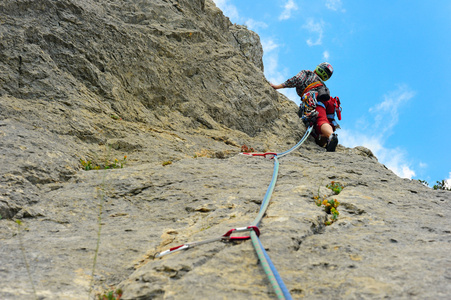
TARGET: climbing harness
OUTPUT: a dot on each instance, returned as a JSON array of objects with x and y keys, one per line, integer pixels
[
  {"x": 312, "y": 86},
  {"x": 254, "y": 232}
]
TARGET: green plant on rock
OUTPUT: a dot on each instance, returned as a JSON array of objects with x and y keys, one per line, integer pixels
[
  {"x": 336, "y": 187},
  {"x": 423, "y": 182},
  {"x": 111, "y": 295},
  {"x": 330, "y": 205},
  {"x": 115, "y": 117},
  {"x": 441, "y": 185},
  {"x": 318, "y": 200},
  {"x": 246, "y": 149},
  {"x": 107, "y": 164}
]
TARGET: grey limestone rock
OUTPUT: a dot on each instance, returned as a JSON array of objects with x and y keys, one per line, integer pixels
[{"x": 177, "y": 89}]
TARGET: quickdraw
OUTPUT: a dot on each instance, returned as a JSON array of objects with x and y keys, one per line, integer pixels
[
  {"x": 337, "y": 107},
  {"x": 226, "y": 237}
]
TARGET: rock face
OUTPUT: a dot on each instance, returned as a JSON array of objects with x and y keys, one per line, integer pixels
[{"x": 178, "y": 89}]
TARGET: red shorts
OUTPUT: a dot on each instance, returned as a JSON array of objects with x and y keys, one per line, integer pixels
[{"x": 322, "y": 115}]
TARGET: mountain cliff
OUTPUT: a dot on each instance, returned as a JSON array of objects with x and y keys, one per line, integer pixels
[{"x": 170, "y": 90}]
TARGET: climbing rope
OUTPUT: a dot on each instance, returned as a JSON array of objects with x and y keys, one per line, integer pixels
[
  {"x": 266, "y": 199},
  {"x": 307, "y": 133},
  {"x": 272, "y": 184},
  {"x": 271, "y": 272},
  {"x": 269, "y": 268}
]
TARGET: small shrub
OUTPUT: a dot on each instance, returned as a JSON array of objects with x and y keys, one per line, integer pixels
[
  {"x": 441, "y": 185},
  {"x": 114, "y": 117},
  {"x": 335, "y": 186},
  {"x": 423, "y": 182},
  {"x": 116, "y": 164},
  {"x": 330, "y": 205},
  {"x": 165, "y": 163},
  {"x": 246, "y": 149},
  {"x": 111, "y": 295}
]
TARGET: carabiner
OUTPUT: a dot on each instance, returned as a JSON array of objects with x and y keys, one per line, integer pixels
[
  {"x": 271, "y": 154},
  {"x": 241, "y": 238}
]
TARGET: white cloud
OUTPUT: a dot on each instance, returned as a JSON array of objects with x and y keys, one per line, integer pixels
[
  {"x": 335, "y": 5},
  {"x": 291, "y": 94},
  {"x": 423, "y": 165},
  {"x": 290, "y": 6},
  {"x": 373, "y": 137},
  {"x": 315, "y": 27},
  {"x": 254, "y": 25},
  {"x": 271, "y": 61},
  {"x": 448, "y": 181},
  {"x": 394, "y": 159},
  {"x": 387, "y": 112},
  {"x": 273, "y": 72},
  {"x": 228, "y": 9},
  {"x": 406, "y": 172},
  {"x": 269, "y": 45},
  {"x": 326, "y": 55}
]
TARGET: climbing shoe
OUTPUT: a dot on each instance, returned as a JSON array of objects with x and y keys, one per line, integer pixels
[{"x": 332, "y": 143}]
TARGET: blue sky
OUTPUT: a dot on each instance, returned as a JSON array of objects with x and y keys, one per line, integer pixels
[{"x": 391, "y": 64}]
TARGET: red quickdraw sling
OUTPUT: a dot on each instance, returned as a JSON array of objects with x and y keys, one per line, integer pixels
[{"x": 337, "y": 107}]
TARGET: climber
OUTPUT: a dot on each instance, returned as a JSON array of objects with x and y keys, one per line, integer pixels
[{"x": 311, "y": 88}]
